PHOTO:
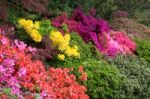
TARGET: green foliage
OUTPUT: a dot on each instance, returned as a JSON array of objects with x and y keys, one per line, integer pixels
[
  {"x": 142, "y": 14},
  {"x": 65, "y": 27},
  {"x": 136, "y": 74},
  {"x": 143, "y": 49},
  {"x": 105, "y": 8},
  {"x": 7, "y": 90},
  {"x": 58, "y": 6},
  {"x": 130, "y": 5},
  {"x": 17, "y": 12},
  {"x": 13, "y": 15},
  {"x": 104, "y": 80},
  {"x": 45, "y": 27},
  {"x": 8, "y": 93}
]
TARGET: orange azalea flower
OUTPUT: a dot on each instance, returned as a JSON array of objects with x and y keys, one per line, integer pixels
[
  {"x": 83, "y": 77},
  {"x": 80, "y": 69}
]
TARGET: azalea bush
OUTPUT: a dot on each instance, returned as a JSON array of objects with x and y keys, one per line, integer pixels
[{"x": 21, "y": 74}]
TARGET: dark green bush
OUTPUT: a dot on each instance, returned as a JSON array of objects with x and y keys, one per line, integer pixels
[
  {"x": 15, "y": 12},
  {"x": 104, "y": 7},
  {"x": 142, "y": 16},
  {"x": 143, "y": 49},
  {"x": 130, "y": 5},
  {"x": 136, "y": 74}
]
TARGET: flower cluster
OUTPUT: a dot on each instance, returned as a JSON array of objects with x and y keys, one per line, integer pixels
[
  {"x": 114, "y": 43},
  {"x": 127, "y": 44},
  {"x": 95, "y": 30},
  {"x": 62, "y": 42},
  {"x": 7, "y": 67},
  {"x": 18, "y": 71},
  {"x": 31, "y": 28}
]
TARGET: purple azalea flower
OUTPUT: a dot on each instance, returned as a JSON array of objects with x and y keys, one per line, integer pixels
[
  {"x": 22, "y": 72},
  {"x": 8, "y": 62}
]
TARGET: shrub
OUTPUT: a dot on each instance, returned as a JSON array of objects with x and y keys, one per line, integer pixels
[
  {"x": 143, "y": 49},
  {"x": 136, "y": 73},
  {"x": 104, "y": 80}
]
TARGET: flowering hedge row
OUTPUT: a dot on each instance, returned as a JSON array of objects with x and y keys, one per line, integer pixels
[
  {"x": 96, "y": 30},
  {"x": 21, "y": 74}
]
